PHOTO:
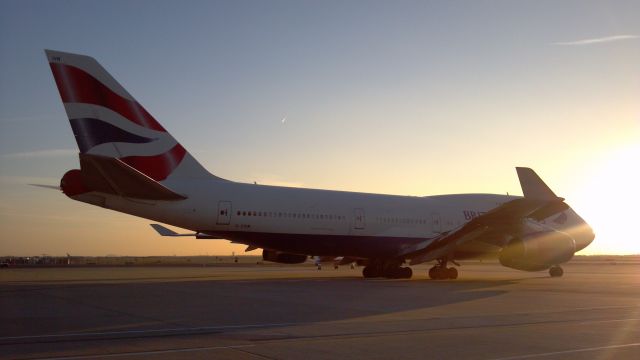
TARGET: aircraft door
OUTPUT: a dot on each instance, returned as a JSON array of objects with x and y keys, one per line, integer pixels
[
  {"x": 224, "y": 213},
  {"x": 358, "y": 219},
  {"x": 436, "y": 225}
]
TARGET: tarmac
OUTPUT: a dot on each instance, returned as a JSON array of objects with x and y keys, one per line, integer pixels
[{"x": 246, "y": 311}]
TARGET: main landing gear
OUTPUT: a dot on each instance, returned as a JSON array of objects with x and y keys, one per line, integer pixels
[
  {"x": 556, "y": 271},
  {"x": 387, "y": 270},
  {"x": 441, "y": 272}
]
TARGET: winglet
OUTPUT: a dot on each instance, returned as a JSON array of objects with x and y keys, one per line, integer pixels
[{"x": 532, "y": 186}]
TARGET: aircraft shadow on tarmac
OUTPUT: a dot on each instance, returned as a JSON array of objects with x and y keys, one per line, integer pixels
[{"x": 230, "y": 305}]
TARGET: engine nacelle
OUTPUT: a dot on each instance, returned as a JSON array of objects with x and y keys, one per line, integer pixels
[
  {"x": 538, "y": 251},
  {"x": 283, "y": 257}
]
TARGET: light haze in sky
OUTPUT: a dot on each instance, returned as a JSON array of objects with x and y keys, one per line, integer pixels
[{"x": 397, "y": 97}]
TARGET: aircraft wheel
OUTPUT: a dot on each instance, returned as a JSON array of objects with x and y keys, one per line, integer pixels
[
  {"x": 442, "y": 273},
  {"x": 370, "y": 272},
  {"x": 556, "y": 271},
  {"x": 452, "y": 273},
  {"x": 366, "y": 272},
  {"x": 406, "y": 272},
  {"x": 435, "y": 273}
]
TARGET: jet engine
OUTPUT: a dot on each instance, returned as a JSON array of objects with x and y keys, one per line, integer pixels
[
  {"x": 283, "y": 257},
  {"x": 538, "y": 251}
]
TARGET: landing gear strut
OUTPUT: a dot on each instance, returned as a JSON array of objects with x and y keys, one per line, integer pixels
[
  {"x": 441, "y": 272},
  {"x": 390, "y": 270},
  {"x": 556, "y": 271}
]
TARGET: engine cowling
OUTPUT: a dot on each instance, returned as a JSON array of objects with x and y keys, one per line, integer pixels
[
  {"x": 538, "y": 251},
  {"x": 283, "y": 257}
]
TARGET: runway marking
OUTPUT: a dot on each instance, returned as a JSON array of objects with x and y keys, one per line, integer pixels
[
  {"x": 150, "y": 331},
  {"x": 529, "y": 356},
  {"x": 204, "y": 329},
  {"x": 611, "y": 320},
  {"x": 152, "y": 352}
]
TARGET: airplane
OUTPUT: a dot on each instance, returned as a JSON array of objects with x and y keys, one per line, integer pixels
[{"x": 130, "y": 163}]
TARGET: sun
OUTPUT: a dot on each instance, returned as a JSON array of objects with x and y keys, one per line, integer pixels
[{"x": 609, "y": 201}]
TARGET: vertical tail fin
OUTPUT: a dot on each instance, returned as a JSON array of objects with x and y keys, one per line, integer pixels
[{"x": 107, "y": 121}]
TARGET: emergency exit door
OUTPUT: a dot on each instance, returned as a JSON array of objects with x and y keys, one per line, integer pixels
[
  {"x": 436, "y": 223},
  {"x": 358, "y": 219},
  {"x": 224, "y": 213}
]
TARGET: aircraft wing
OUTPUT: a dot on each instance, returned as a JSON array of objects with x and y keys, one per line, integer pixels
[
  {"x": 538, "y": 203},
  {"x": 505, "y": 219}
]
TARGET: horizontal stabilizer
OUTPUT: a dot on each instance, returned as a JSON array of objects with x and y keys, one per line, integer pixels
[
  {"x": 163, "y": 231},
  {"x": 111, "y": 175}
]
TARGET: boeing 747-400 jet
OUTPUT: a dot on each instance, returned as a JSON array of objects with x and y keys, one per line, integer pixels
[{"x": 130, "y": 163}]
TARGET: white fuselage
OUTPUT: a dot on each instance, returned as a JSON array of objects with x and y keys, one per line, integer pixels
[{"x": 318, "y": 222}]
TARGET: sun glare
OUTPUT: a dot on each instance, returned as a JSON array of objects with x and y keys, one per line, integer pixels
[{"x": 609, "y": 200}]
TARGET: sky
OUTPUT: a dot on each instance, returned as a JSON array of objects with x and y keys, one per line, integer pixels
[{"x": 396, "y": 97}]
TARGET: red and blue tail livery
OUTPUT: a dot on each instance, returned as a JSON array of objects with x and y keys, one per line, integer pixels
[
  {"x": 107, "y": 121},
  {"x": 131, "y": 164}
]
